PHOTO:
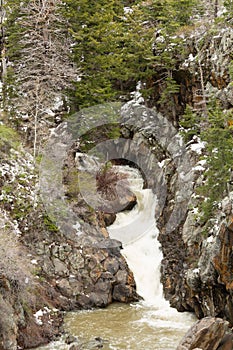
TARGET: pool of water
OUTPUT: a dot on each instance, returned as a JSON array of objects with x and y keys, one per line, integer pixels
[{"x": 127, "y": 327}]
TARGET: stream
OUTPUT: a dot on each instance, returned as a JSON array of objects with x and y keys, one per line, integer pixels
[{"x": 150, "y": 324}]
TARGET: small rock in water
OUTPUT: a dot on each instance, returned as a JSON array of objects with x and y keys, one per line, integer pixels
[
  {"x": 96, "y": 343},
  {"x": 76, "y": 347},
  {"x": 70, "y": 339}
]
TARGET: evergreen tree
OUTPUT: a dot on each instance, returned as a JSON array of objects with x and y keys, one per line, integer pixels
[
  {"x": 218, "y": 135},
  {"x": 112, "y": 48}
]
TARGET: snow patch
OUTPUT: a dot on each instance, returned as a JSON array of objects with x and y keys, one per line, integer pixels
[
  {"x": 38, "y": 316},
  {"x": 128, "y": 10},
  {"x": 210, "y": 239},
  {"x": 137, "y": 97},
  {"x": 161, "y": 164},
  {"x": 198, "y": 146},
  {"x": 34, "y": 262},
  {"x": 198, "y": 168},
  {"x": 40, "y": 313},
  {"x": 202, "y": 162},
  {"x": 195, "y": 210}
]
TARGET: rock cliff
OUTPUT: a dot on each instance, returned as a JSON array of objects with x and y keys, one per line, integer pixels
[{"x": 43, "y": 271}]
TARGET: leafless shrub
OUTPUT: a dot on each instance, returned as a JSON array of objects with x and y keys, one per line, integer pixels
[{"x": 108, "y": 180}]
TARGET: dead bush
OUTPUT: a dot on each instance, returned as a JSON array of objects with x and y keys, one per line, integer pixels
[{"x": 108, "y": 180}]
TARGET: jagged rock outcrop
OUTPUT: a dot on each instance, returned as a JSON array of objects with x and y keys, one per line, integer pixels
[
  {"x": 196, "y": 269},
  {"x": 207, "y": 54},
  {"x": 206, "y": 334}
]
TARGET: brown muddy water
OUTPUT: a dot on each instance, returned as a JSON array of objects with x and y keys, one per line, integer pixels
[{"x": 127, "y": 327}]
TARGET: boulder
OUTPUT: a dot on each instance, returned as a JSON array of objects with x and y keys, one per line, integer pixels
[
  {"x": 205, "y": 334},
  {"x": 109, "y": 218},
  {"x": 226, "y": 343}
]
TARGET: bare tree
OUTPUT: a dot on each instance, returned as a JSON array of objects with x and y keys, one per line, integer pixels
[
  {"x": 43, "y": 69},
  {"x": 2, "y": 37},
  {"x": 2, "y": 47}
]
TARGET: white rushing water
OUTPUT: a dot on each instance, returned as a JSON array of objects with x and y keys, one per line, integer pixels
[
  {"x": 150, "y": 324},
  {"x": 138, "y": 233}
]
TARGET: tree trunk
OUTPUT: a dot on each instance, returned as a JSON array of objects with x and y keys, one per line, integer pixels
[
  {"x": 216, "y": 8},
  {"x": 3, "y": 49}
]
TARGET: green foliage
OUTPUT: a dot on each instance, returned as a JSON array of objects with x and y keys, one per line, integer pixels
[
  {"x": 218, "y": 136},
  {"x": 190, "y": 123},
  {"x": 8, "y": 139},
  {"x": 167, "y": 96},
  {"x": 114, "y": 132},
  {"x": 170, "y": 13},
  {"x": 219, "y": 145},
  {"x": 50, "y": 225},
  {"x": 229, "y": 6},
  {"x": 98, "y": 135},
  {"x": 112, "y": 49}
]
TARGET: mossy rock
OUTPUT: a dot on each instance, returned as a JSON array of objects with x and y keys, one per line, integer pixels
[{"x": 8, "y": 139}]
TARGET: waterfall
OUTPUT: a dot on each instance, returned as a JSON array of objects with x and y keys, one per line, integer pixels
[
  {"x": 138, "y": 233},
  {"x": 151, "y": 324}
]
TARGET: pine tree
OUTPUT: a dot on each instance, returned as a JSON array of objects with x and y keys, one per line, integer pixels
[
  {"x": 113, "y": 49},
  {"x": 218, "y": 135}
]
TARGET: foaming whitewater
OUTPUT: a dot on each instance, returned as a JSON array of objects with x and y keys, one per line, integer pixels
[
  {"x": 150, "y": 324},
  {"x": 138, "y": 233}
]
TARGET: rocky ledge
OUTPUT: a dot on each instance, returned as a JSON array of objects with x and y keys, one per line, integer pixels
[{"x": 210, "y": 333}]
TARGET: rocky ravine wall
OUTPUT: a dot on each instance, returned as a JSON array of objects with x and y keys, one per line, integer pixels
[
  {"x": 201, "y": 279},
  {"x": 196, "y": 270},
  {"x": 197, "y": 264},
  {"x": 44, "y": 272}
]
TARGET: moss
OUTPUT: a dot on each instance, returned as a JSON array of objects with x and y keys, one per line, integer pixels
[
  {"x": 7, "y": 189},
  {"x": 8, "y": 139},
  {"x": 20, "y": 211},
  {"x": 205, "y": 232},
  {"x": 50, "y": 225},
  {"x": 39, "y": 159}
]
